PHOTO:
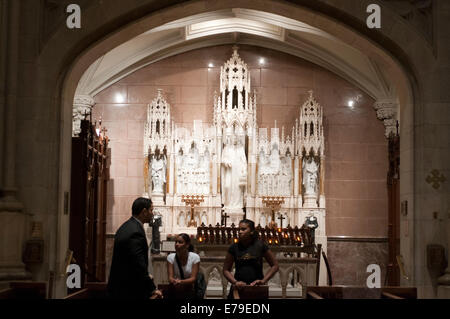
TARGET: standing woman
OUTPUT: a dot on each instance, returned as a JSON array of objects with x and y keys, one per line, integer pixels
[
  {"x": 248, "y": 254},
  {"x": 183, "y": 266}
]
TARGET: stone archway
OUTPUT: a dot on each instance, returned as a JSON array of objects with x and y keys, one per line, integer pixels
[{"x": 128, "y": 25}]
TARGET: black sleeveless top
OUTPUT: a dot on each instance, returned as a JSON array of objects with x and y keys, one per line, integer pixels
[{"x": 248, "y": 261}]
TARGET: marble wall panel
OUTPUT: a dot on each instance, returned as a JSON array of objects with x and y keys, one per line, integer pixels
[
  {"x": 349, "y": 260},
  {"x": 355, "y": 149}
]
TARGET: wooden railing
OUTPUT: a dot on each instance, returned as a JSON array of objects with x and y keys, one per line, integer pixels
[
  {"x": 353, "y": 292},
  {"x": 24, "y": 290},
  {"x": 91, "y": 290}
]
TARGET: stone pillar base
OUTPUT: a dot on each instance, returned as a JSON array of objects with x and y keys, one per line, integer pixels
[
  {"x": 443, "y": 292},
  {"x": 157, "y": 200},
  {"x": 12, "y": 238},
  {"x": 14, "y": 273},
  {"x": 310, "y": 201}
]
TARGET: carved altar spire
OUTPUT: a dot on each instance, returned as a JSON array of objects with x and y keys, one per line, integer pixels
[
  {"x": 235, "y": 104},
  {"x": 157, "y": 130},
  {"x": 310, "y": 133}
]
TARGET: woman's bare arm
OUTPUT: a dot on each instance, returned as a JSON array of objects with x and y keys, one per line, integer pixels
[{"x": 193, "y": 277}]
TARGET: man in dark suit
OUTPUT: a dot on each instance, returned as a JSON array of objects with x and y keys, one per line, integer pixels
[{"x": 129, "y": 278}]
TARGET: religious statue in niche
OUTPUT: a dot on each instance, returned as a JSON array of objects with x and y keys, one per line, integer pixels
[
  {"x": 203, "y": 171},
  {"x": 262, "y": 220},
  {"x": 311, "y": 223},
  {"x": 158, "y": 172},
  {"x": 286, "y": 175},
  {"x": 181, "y": 219},
  {"x": 274, "y": 172},
  {"x": 234, "y": 174},
  {"x": 274, "y": 159},
  {"x": 193, "y": 171},
  {"x": 310, "y": 176}
]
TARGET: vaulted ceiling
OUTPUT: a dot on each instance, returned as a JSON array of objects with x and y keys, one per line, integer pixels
[{"x": 240, "y": 26}]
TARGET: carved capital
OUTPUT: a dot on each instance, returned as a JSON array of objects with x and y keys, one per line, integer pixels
[
  {"x": 387, "y": 112},
  {"x": 82, "y": 104}
]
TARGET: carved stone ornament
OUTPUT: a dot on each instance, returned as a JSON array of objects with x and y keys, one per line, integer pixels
[
  {"x": 435, "y": 178},
  {"x": 82, "y": 105},
  {"x": 387, "y": 112}
]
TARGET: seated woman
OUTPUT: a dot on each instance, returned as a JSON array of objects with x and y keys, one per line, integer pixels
[
  {"x": 247, "y": 254},
  {"x": 182, "y": 268}
]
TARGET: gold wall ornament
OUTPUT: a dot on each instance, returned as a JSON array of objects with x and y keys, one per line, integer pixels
[
  {"x": 300, "y": 175},
  {"x": 192, "y": 201},
  {"x": 274, "y": 203},
  {"x": 435, "y": 178},
  {"x": 146, "y": 174}
]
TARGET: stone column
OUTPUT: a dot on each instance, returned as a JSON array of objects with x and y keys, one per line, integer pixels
[
  {"x": 82, "y": 105},
  {"x": 322, "y": 182},
  {"x": 3, "y": 65},
  {"x": 12, "y": 218},
  {"x": 387, "y": 111},
  {"x": 443, "y": 291}
]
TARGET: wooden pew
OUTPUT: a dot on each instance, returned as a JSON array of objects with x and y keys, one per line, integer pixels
[
  {"x": 399, "y": 292},
  {"x": 176, "y": 292},
  {"x": 354, "y": 292},
  {"x": 91, "y": 290},
  {"x": 24, "y": 290},
  {"x": 252, "y": 292}
]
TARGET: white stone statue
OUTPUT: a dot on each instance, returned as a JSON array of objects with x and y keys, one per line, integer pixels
[
  {"x": 181, "y": 220},
  {"x": 310, "y": 176},
  {"x": 204, "y": 219},
  {"x": 274, "y": 158},
  {"x": 286, "y": 177},
  {"x": 158, "y": 173},
  {"x": 262, "y": 220},
  {"x": 192, "y": 159},
  {"x": 233, "y": 174}
]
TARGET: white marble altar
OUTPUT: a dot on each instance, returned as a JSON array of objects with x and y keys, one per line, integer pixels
[{"x": 234, "y": 163}]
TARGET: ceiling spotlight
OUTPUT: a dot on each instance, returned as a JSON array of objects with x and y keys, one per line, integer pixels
[
  {"x": 120, "y": 98},
  {"x": 350, "y": 103},
  {"x": 210, "y": 65},
  {"x": 261, "y": 61}
]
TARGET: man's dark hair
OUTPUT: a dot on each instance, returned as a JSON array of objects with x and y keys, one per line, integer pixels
[{"x": 139, "y": 204}]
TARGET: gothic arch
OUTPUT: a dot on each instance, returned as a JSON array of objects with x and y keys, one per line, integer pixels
[{"x": 125, "y": 21}]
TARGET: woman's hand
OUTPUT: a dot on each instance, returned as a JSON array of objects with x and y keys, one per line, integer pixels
[
  {"x": 157, "y": 294},
  {"x": 258, "y": 283},
  {"x": 240, "y": 284},
  {"x": 175, "y": 281}
]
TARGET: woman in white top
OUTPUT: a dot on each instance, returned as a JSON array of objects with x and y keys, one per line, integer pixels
[{"x": 190, "y": 262}]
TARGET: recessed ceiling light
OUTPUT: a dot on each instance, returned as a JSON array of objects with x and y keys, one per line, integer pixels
[
  {"x": 210, "y": 65},
  {"x": 261, "y": 61},
  {"x": 120, "y": 98}
]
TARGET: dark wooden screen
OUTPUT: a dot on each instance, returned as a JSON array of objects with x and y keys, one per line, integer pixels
[
  {"x": 393, "y": 181},
  {"x": 90, "y": 174}
]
